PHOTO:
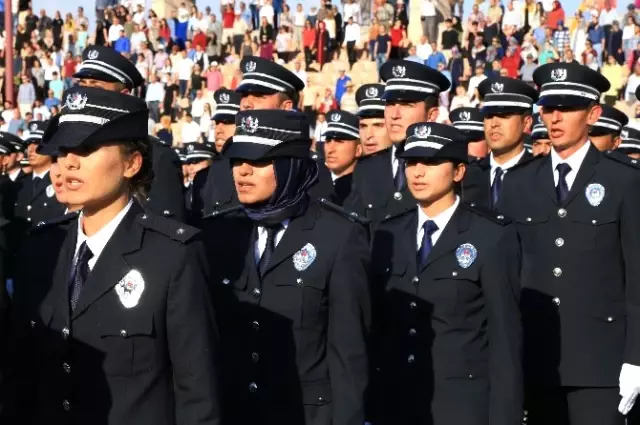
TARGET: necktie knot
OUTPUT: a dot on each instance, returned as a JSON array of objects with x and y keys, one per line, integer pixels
[
  {"x": 499, "y": 172},
  {"x": 430, "y": 227},
  {"x": 496, "y": 186},
  {"x": 84, "y": 253},
  {"x": 269, "y": 248},
  {"x": 562, "y": 189},
  {"x": 563, "y": 170},
  {"x": 80, "y": 274}
]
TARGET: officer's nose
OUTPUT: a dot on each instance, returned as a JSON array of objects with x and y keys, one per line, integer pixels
[
  {"x": 246, "y": 104},
  {"x": 556, "y": 115}
]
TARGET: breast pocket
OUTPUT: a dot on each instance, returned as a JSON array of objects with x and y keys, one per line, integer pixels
[
  {"x": 596, "y": 231},
  {"x": 457, "y": 286},
  {"x": 129, "y": 347},
  {"x": 531, "y": 231}
]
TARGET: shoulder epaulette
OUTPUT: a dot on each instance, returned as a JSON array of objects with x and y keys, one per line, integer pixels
[
  {"x": 485, "y": 212},
  {"x": 223, "y": 212},
  {"x": 351, "y": 215},
  {"x": 622, "y": 158},
  {"x": 373, "y": 155},
  {"x": 400, "y": 212},
  {"x": 525, "y": 161},
  {"x": 54, "y": 221},
  {"x": 171, "y": 228}
]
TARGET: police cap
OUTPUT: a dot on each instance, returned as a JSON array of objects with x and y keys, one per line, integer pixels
[
  {"x": 469, "y": 121},
  {"x": 369, "y": 99},
  {"x": 630, "y": 140},
  {"x": 265, "y": 76},
  {"x": 411, "y": 81},
  {"x": 227, "y": 105},
  {"x": 434, "y": 142},
  {"x": 503, "y": 95},
  {"x": 36, "y": 131},
  {"x": 539, "y": 131},
  {"x": 105, "y": 64},
  {"x": 569, "y": 84},
  {"x": 341, "y": 125},
  {"x": 197, "y": 152},
  {"x": 610, "y": 122}
]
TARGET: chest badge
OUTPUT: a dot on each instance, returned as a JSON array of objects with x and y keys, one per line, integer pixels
[
  {"x": 466, "y": 254},
  {"x": 304, "y": 258},
  {"x": 50, "y": 191},
  {"x": 595, "y": 194},
  {"x": 130, "y": 288}
]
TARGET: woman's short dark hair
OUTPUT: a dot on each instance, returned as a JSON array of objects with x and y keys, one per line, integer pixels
[{"x": 141, "y": 182}]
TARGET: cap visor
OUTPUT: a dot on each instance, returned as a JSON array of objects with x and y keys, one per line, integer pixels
[
  {"x": 405, "y": 95},
  {"x": 338, "y": 135},
  {"x": 224, "y": 118},
  {"x": 67, "y": 136},
  {"x": 564, "y": 101},
  {"x": 371, "y": 113},
  {"x": 255, "y": 88},
  {"x": 96, "y": 75},
  {"x": 498, "y": 110}
]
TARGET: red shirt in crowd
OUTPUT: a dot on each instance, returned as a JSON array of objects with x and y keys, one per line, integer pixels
[
  {"x": 199, "y": 40},
  {"x": 396, "y": 36},
  {"x": 511, "y": 64},
  {"x": 308, "y": 37},
  {"x": 227, "y": 18},
  {"x": 69, "y": 68},
  {"x": 557, "y": 14}
]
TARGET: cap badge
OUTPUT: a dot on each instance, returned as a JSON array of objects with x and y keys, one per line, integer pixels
[
  {"x": 497, "y": 87},
  {"x": 224, "y": 98},
  {"x": 75, "y": 101},
  {"x": 559, "y": 74},
  {"x": 250, "y": 66},
  {"x": 422, "y": 131},
  {"x": 130, "y": 288},
  {"x": 595, "y": 194},
  {"x": 93, "y": 55},
  {"x": 540, "y": 119},
  {"x": 50, "y": 191},
  {"x": 466, "y": 254},
  {"x": 465, "y": 115},
  {"x": 372, "y": 92},
  {"x": 190, "y": 148},
  {"x": 398, "y": 71},
  {"x": 335, "y": 117},
  {"x": 33, "y": 127},
  {"x": 304, "y": 258},
  {"x": 624, "y": 134},
  {"x": 250, "y": 124}
]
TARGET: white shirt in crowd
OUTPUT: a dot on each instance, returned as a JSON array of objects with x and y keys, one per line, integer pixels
[
  {"x": 155, "y": 92},
  {"x": 114, "y": 32},
  {"x": 267, "y": 12},
  {"x": 197, "y": 107},
  {"x": 352, "y": 33},
  {"x": 299, "y": 18},
  {"x": 185, "y": 67},
  {"x": 574, "y": 161},
  {"x": 474, "y": 82},
  {"x": 607, "y": 17},
  {"x": 42, "y": 110},
  {"x": 424, "y": 50},
  {"x": 511, "y": 17},
  {"x": 49, "y": 70},
  {"x": 138, "y": 17},
  {"x": 318, "y": 133},
  {"x": 441, "y": 221},
  {"x": 352, "y": 10},
  {"x": 427, "y": 9},
  {"x": 190, "y": 132}
]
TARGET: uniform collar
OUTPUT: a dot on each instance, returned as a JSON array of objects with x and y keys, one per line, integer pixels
[
  {"x": 509, "y": 164},
  {"x": 41, "y": 175},
  {"x": 441, "y": 219},
  {"x": 574, "y": 161}
]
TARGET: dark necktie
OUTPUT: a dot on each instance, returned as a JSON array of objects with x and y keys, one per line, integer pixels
[
  {"x": 562, "y": 189},
  {"x": 496, "y": 186},
  {"x": 270, "y": 246},
  {"x": 80, "y": 273},
  {"x": 429, "y": 228},
  {"x": 399, "y": 179}
]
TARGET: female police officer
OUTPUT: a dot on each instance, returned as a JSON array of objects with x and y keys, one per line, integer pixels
[
  {"x": 292, "y": 286},
  {"x": 117, "y": 323},
  {"x": 448, "y": 342}
]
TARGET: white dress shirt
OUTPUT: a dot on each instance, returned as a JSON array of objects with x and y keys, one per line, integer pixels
[
  {"x": 574, "y": 161},
  {"x": 394, "y": 160},
  {"x": 427, "y": 9},
  {"x": 261, "y": 244},
  {"x": 41, "y": 175},
  {"x": 352, "y": 32},
  {"x": 13, "y": 175},
  {"x": 97, "y": 242},
  {"x": 441, "y": 221},
  {"x": 505, "y": 167}
]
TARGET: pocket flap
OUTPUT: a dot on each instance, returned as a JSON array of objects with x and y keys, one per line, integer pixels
[
  {"x": 458, "y": 273},
  {"x": 532, "y": 219},
  {"x": 317, "y": 393},
  {"x": 129, "y": 326},
  {"x": 612, "y": 312}
]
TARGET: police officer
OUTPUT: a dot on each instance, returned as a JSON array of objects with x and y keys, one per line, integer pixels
[
  {"x": 540, "y": 137},
  {"x": 199, "y": 158},
  {"x": 11, "y": 163},
  {"x": 292, "y": 288},
  {"x": 35, "y": 199},
  {"x": 630, "y": 143},
  {"x": 342, "y": 149},
  {"x": 411, "y": 95},
  {"x": 605, "y": 133},
  {"x": 213, "y": 188},
  {"x": 373, "y": 132},
  {"x": 105, "y": 68},
  {"x": 115, "y": 323},
  {"x": 577, "y": 212},
  {"x": 470, "y": 122},
  {"x": 448, "y": 333},
  {"x": 507, "y": 118}
]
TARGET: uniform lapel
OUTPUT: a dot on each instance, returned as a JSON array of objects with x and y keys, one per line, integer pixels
[
  {"x": 36, "y": 190},
  {"x": 295, "y": 237},
  {"x": 112, "y": 264},
  {"x": 449, "y": 240},
  {"x": 586, "y": 171},
  {"x": 545, "y": 177}
]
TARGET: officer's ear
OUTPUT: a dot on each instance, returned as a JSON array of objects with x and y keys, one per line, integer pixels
[
  {"x": 616, "y": 142},
  {"x": 528, "y": 123},
  {"x": 459, "y": 170},
  {"x": 359, "y": 151},
  {"x": 594, "y": 112}
]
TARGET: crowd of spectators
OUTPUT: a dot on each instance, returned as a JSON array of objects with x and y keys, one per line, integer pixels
[{"x": 185, "y": 56}]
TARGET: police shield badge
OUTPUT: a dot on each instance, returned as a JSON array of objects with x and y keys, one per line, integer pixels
[
  {"x": 130, "y": 288},
  {"x": 304, "y": 258},
  {"x": 466, "y": 254},
  {"x": 50, "y": 191},
  {"x": 595, "y": 194}
]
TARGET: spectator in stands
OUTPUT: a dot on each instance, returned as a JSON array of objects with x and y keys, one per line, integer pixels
[
  {"x": 595, "y": 35},
  {"x": 561, "y": 38},
  {"x": 190, "y": 131},
  {"x": 240, "y": 28},
  {"x": 51, "y": 101},
  {"x": 267, "y": 11},
  {"x": 266, "y": 29},
  {"x": 527, "y": 69},
  {"x": 197, "y": 106},
  {"x": 283, "y": 44},
  {"x": 26, "y": 95},
  {"x": 214, "y": 77},
  {"x": 322, "y": 44},
  {"x": 348, "y": 100},
  {"x": 122, "y": 44},
  {"x": 320, "y": 128},
  {"x": 351, "y": 39},
  {"x": 57, "y": 86},
  {"x": 555, "y": 15},
  {"x": 397, "y": 34},
  {"x": 185, "y": 68},
  {"x": 16, "y": 122},
  {"x": 614, "y": 43},
  {"x": 341, "y": 84},
  {"x": 477, "y": 78},
  {"x": 308, "y": 43},
  {"x": 435, "y": 57},
  {"x": 547, "y": 54},
  {"x": 614, "y": 72},
  {"x": 154, "y": 96},
  {"x": 511, "y": 23}
]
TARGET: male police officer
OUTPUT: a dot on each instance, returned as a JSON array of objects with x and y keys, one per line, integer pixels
[
  {"x": 605, "y": 133},
  {"x": 577, "y": 212},
  {"x": 105, "y": 68},
  {"x": 630, "y": 143},
  {"x": 411, "y": 96},
  {"x": 469, "y": 121},
  {"x": 507, "y": 117},
  {"x": 373, "y": 132},
  {"x": 540, "y": 137},
  {"x": 342, "y": 149}
]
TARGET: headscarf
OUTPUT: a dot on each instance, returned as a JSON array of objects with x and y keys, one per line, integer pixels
[{"x": 294, "y": 177}]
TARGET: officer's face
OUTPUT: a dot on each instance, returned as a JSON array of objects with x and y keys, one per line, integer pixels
[
  {"x": 193, "y": 168},
  {"x": 432, "y": 182},
  {"x": 9, "y": 162},
  {"x": 478, "y": 149},
  {"x": 255, "y": 181},
  {"x": 541, "y": 147},
  {"x": 568, "y": 127},
  {"x": 114, "y": 87},
  {"x": 36, "y": 160},
  {"x": 605, "y": 143},
  {"x": 223, "y": 132},
  {"x": 504, "y": 132},
  {"x": 341, "y": 155},
  {"x": 265, "y": 101},
  {"x": 400, "y": 115},
  {"x": 373, "y": 135},
  {"x": 98, "y": 178}
]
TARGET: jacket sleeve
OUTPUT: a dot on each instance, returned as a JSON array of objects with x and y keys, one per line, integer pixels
[
  {"x": 349, "y": 323},
  {"x": 193, "y": 341},
  {"x": 167, "y": 191},
  {"x": 501, "y": 287}
]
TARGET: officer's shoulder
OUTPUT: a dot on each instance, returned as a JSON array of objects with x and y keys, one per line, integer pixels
[
  {"x": 525, "y": 165},
  {"x": 621, "y": 158},
  {"x": 487, "y": 213},
  {"x": 225, "y": 212},
  {"x": 372, "y": 157},
  {"x": 341, "y": 212},
  {"x": 54, "y": 222},
  {"x": 166, "y": 226},
  {"x": 397, "y": 214}
]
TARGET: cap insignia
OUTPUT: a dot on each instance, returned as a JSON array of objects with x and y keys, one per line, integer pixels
[
  {"x": 33, "y": 127},
  {"x": 75, "y": 101},
  {"x": 399, "y": 71},
  {"x": 250, "y": 66},
  {"x": 250, "y": 124},
  {"x": 224, "y": 98},
  {"x": 372, "y": 92},
  {"x": 335, "y": 117},
  {"x": 624, "y": 134},
  {"x": 422, "y": 131},
  {"x": 559, "y": 74},
  {"x": 465, "y": 115},
  {"x": 190, "y": 148},
  {"x": 497, "y": 87},
  {"x": 93, "y": 55}
]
